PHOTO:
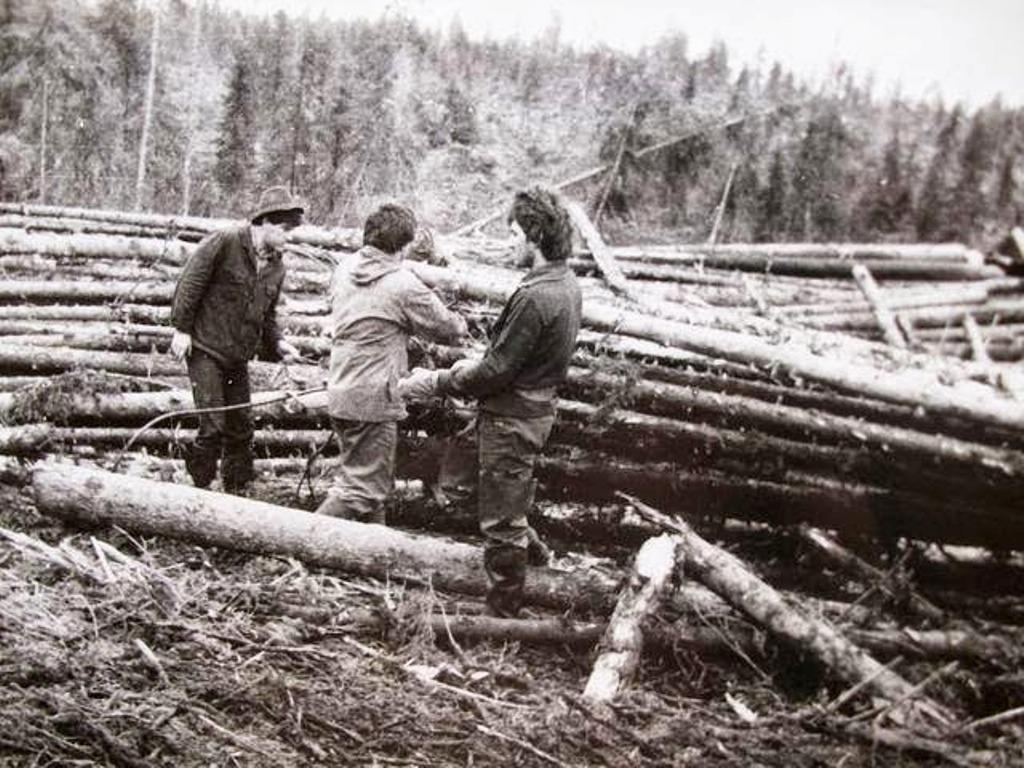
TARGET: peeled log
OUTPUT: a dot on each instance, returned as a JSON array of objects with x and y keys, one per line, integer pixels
[
  {"x": 623, "y": 639},
  {"x": 95, "y": 497},
  {"x": 82, "y": 290},
  {"x": 730, "y": 579},
  {"x": 94, "y": 246}
]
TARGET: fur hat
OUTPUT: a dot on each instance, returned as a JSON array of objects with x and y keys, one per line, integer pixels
[{"x": 276, "y": 200}]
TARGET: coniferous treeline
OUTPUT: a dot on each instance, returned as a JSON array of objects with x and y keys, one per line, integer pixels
[{"x": 349, "y": 113}]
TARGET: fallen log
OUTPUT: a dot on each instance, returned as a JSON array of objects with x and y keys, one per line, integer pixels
[
  {"x": 601, "y": 254},
  {"x": 1006, "y": 310},
  {"x": 129, "y": 338},
  {"x": 621, "y": 645},
  {"x": 26, "y": 440},
  {"x": 934, "y": 645},
  {"x": 738, "y": 411},
  {"x": 932, "y": 270},
  {"x": 94, "y": 246},
  {"x": 898, "y": 382},
  {"x": 849, "y": 252},
  {"x": 85, "y": 291},
  {"x": 879, "y": 307},
  {"x": 918, "y": 380},
  {"x": 17, "y": 359},
  {"x": 729, "y": 578},
  {"x": 847, "y": 561},
  {"x": 131, "y": 313},
  {"x": 164, "y": 226},
  {"x": 94, "y": 497}
]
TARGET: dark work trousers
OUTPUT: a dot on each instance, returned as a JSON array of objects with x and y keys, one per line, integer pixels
[
  {"x": 229, "y": 433},
  {"x": 365, "y": 481},
  {"x": 506, "y": 452},
  {"x": 458, "y": 479}
]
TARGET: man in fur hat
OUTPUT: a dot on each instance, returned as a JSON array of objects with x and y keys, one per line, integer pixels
[
  {"x": 224, "y": 313},
  {"x": 515, "y": 382}
]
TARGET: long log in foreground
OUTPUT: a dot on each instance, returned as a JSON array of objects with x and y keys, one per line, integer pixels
[
  {"x": 95, "y": 497},
  {"x": 729, "y": 578}
]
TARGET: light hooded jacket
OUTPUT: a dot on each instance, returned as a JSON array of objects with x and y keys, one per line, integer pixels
[{"x": 376, "y": 305}]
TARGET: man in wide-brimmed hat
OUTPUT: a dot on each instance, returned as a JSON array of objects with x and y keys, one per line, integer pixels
[{"x": 224, "y": 314}]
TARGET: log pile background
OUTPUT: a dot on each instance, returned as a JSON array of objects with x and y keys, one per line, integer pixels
[{"x": 751, "y": 389}]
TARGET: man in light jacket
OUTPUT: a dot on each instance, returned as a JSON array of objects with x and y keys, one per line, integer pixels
[{"x": 376, "y": 305}]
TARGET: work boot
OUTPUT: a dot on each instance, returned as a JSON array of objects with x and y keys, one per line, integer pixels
[
  {"x": 237, "y": 472},
  {"x": 201, "y": 465},
  {"x": 538, "y": 554},
  {"x": 506, "y": 570}
]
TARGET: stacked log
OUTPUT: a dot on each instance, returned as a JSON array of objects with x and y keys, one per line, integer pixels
[{"x": 734, "y": 410}]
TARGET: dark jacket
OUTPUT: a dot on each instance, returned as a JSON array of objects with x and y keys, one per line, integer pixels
[
  {"x": 530, "y": 347},
  {"x": 376, "y": 304},
  {"x": 225, "y": 303}
]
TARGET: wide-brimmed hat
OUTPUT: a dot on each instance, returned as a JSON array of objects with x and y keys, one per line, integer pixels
[{"x": 276, "y": 200}]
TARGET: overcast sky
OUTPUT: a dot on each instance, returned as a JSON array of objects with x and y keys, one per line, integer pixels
[{"x": 960, "y": 49}]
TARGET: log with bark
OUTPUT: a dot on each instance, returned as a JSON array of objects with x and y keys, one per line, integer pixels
[
  {"x": 81, "y": 291},
  {"x": 166, "y": 226},
  {"x": 621, "y": 645},
  {"x": 835, "y": 554},
  {"x": 727, "y": 576},
  {"x": 932, "y": 270},
  {"x": 98, "y": 498},
  {"x": 849, "y": 252}
]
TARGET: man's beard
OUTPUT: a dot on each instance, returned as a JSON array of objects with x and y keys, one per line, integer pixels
[{"x": 526, "y": 258}]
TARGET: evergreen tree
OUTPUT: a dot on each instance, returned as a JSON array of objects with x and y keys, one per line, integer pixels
[
  {"x": 975, "y": 162},
  {"x": 771, "y": 212},
  {"x": 818, "y": 179},
  {"x": 888, "y": 201},
  {"x": 237, "y": 132},
  {"x": 1006, "y": 187},
  {"x": 935, "y": 208}
]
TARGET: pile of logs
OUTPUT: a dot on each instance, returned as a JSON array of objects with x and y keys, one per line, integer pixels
[
  {"x": 862, "y": 391},
  {"x": 705, "y": 389}
]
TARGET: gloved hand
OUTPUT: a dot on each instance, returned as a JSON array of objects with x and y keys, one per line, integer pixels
[
  {"x": 463, "y": 364},
  {"x": 288, "y": 352},
  {"x": 181, "y": 345},
  {"x": 418, "y": 385}
]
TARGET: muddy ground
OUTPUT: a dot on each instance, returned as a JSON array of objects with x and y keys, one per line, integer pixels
[{"x": 122, "y": 651}]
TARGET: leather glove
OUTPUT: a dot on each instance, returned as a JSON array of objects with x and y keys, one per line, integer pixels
[
  {"x": 181, "y": 345},
  {"x": 418, "y": 385}
]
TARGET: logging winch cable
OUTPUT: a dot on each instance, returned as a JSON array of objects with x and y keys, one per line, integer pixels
[{"x": 217, "y": 409}]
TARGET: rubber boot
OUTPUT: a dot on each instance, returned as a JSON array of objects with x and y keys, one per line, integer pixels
[
  {"x": 201, "y": 465},
  {"x": 506, "y": 569},
  {"x": 236, "y": 470},
  {"x": 538, "y": 553}
]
